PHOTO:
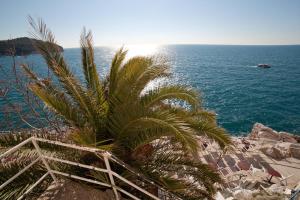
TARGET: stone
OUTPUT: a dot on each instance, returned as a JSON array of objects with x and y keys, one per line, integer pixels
[
  {"x": 284, "y": 148},
  {"x": 297, "y": 137},
  {"x": 219, "y": 196},
  {"x": 261, "y": 131},
  {"x": 287, "y": 137},
  {"x": 276, "y": 189},
  {"x": 295, "y": 150},
  {"x": 273, "y": 152},
  {"x": 243, "y": 194}
]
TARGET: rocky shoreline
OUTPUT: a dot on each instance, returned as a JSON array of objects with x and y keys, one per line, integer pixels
[
  {"x": 279, "y": 150},
  {"x": 280, "y": 145},
  {"x": 261, "y": 131}
]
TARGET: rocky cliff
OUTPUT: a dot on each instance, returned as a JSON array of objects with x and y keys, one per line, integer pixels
[{"x": 284, "y": 144}]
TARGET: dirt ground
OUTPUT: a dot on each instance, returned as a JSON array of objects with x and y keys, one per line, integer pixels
[{"x": 70, "y": 190}]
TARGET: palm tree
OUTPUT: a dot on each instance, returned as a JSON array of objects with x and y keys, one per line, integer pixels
[{"x": 121, "y": 114}]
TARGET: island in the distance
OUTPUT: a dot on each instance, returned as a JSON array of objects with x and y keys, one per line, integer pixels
[{"x": 20, "y": 46}]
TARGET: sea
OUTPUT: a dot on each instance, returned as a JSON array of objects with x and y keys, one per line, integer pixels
[{"x": 227, "y": 77}]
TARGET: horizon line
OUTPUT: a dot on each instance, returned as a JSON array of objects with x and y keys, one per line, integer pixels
[
  {"x": 165, "y": 44},
  {"x": 170, "y": 44}
]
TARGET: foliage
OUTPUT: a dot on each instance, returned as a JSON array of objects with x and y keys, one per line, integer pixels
[
  {"x": 122, "y": 114},
  {"x": 11, "y": 166},
  {"x": 180, "y": 173}
]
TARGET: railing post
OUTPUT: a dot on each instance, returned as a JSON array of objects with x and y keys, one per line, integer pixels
[
  {"x": 111, "y": 178},
  {"x": 43, "y": 159}
]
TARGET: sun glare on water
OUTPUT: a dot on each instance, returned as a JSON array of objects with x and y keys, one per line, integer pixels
[
  {"x": 141, "y": 50},
  {"x": 144, "y": 50}
]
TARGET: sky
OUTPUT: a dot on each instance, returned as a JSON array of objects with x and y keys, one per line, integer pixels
[{"x": 134, "y": 22}]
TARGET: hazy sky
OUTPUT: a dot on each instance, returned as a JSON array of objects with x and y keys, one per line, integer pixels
[{"x": 118, "y": 22}]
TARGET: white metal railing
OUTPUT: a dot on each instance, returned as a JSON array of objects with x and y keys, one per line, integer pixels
[{"x": 105, "y": 155}]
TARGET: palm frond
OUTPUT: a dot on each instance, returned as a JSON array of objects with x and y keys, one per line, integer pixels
[
  {"x": 153, "y": 97},
  {"x": 89, "y": 67},
  {"x": 59, "y": 104},
  {"x": 214, "y": 132},
  {"x": 159, "y": 69},
  {"x": 179, "y": 172},
  {"x": 165, "y": 123},
  {"x": 114, "y": 69},
  {"x": 58, "y": 66},
  {"x": 24, "y": 181},
  {"x": 132, "y": 69}
]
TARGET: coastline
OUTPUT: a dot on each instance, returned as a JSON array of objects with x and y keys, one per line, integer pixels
[
  {"x": 267, "y": 151},
  {"x": 279, "y": 150}
]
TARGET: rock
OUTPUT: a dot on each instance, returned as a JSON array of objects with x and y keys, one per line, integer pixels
[
  {"x": 219, "y": 196},
  {"x": 287, "y": 191},
  {"x": 253, "y": 184},
  {"x": 250, "y": 184},
  {"x": 275, "y": 151},
  {"x": 287, "y": 137},
  {"x": 284, "y": 148},
  {"x": 264, "y": 196},
  {"x": 243, "y": 194},
  {"x": 261, "y": 131},
  {"x": 297, "y": 137},
  {"x": 276, "y": 189},
  {"x": 287, "y": 145},
  {"x": 295, "y": 151}
]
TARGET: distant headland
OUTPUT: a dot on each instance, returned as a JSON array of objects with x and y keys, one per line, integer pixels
[{"x": 20, "y": 46}]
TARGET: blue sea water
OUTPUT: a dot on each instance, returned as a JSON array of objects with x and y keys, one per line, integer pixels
[{"x": 230, "y": 83}]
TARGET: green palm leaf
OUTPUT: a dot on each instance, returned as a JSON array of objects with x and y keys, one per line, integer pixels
[{"x": 156, "y": 96}]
